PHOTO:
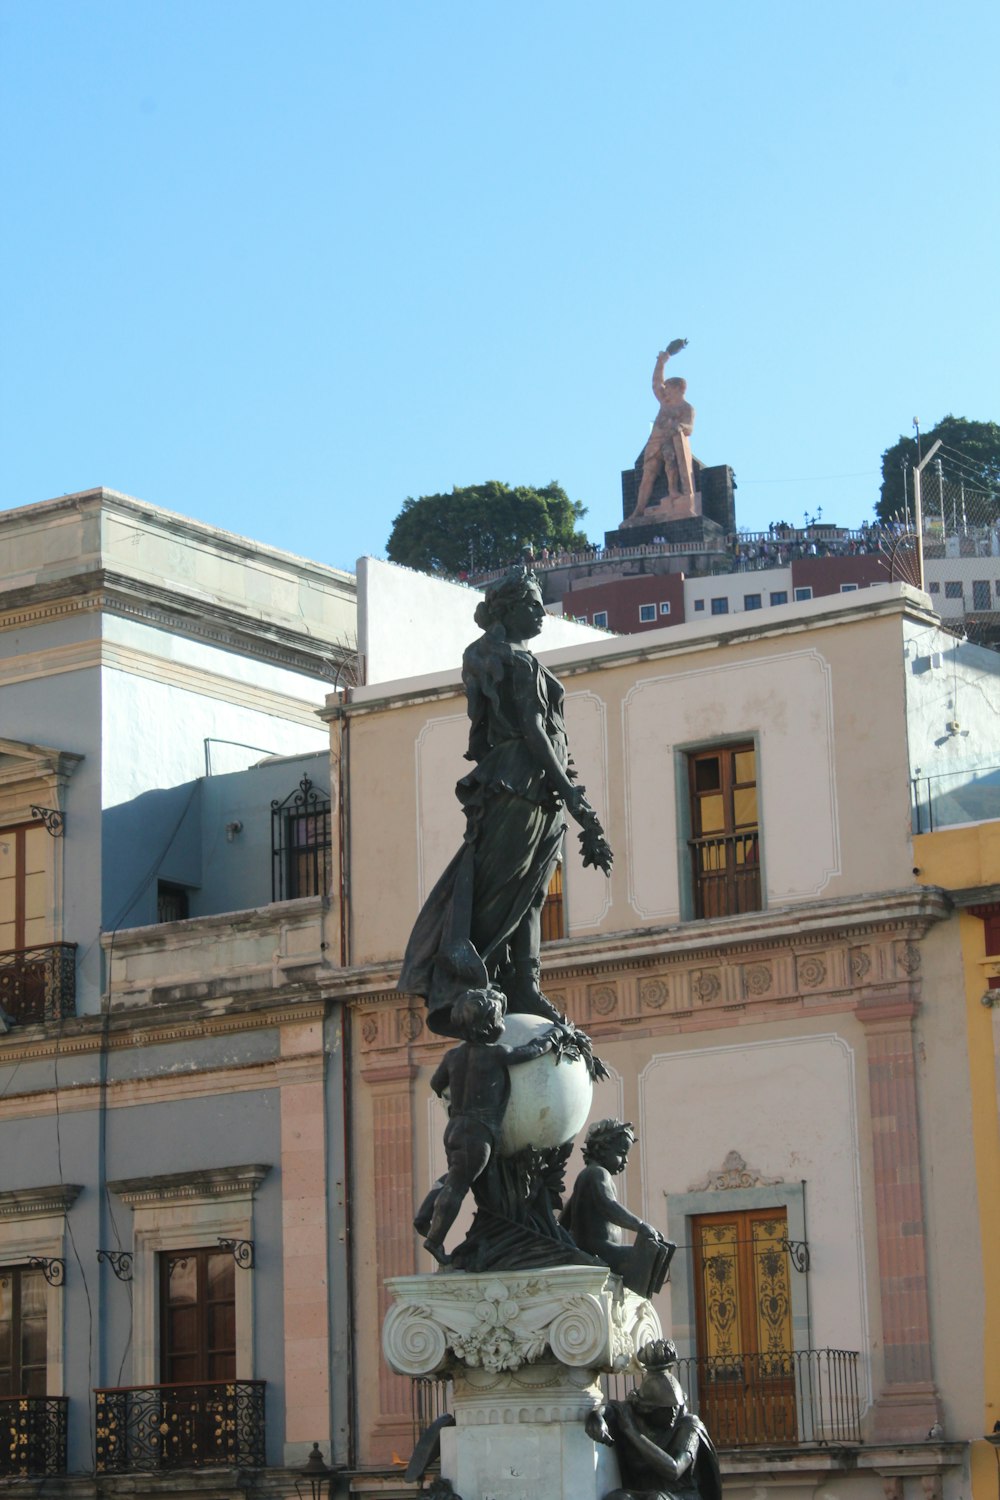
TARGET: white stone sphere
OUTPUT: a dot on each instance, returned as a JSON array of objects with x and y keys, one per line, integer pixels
[{"x": 549, "y": 1102}]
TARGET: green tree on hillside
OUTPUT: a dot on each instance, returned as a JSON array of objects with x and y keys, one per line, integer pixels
[
  {"x": 970, "y": 451},
  {"x": 483, "y": 526}
]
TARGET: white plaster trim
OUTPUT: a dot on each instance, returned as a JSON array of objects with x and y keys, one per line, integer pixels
[
  {"x": 754, "y": 730},
  {"x": 426, "y": 728},
  {"x": 605, "y": 806},
  {"x": 854, "y": 1134},
  {"x": 87, "y": 655}
]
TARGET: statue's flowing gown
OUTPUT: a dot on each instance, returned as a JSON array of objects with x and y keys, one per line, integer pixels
[{"x": 514, "y": 830}]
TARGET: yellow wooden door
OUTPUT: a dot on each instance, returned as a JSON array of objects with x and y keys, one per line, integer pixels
[{"x": 746, "y": 1369}]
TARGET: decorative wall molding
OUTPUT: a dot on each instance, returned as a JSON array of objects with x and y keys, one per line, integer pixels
[
  {"x": 202, "y": 1186},
  {"x": 38, "y": 1203},
  {"x": 734, "y": 1173}
]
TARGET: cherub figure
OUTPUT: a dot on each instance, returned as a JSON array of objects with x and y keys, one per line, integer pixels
[
  {"x": 595, "y": 1218},
  {"x": 664, "y": 1451},
  {"x": 475, "y": 1080}
]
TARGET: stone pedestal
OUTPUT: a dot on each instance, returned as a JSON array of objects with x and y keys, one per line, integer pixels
[
  {"x": 525, "y": 1351},
  {"x": 697, "y": 532}
]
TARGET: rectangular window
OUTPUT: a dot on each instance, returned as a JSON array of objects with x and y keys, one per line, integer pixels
[
  {"x": 981, "y": 593},
  {"x": 554, "y": 911},
  {"x": 171, "y": 902},
  {"x": 23, "y": 1339},
  {"x": 197, "y": 1316},
  {"x": 720, "y": 606},
  {"x": 743, "y": 1319},
  {"x": 953, "y": 591},
  {"x": 23, "y": 908},
  {"x": 580, "y": 619},
  {"x": 301, "y": 852},
  {"x": 934, "y": 588},
  {"x": 751, "y": 601},
  {"x": 665, "y": 605},
  {"x": 647, "y": 612},
  {"x": 601, "y": 618},
  {"x": 725, "y": 841},
  {"x": 699, "y": 604},
  {"x": 779, "y": 596},
  {"x": 802, "y": 594},
  {"x": 848, "y": 588}
]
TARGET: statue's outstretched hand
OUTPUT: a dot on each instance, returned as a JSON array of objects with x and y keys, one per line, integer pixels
[
  {"x": 594, "y": 847},
  {"x": 597, "y": 1428}
]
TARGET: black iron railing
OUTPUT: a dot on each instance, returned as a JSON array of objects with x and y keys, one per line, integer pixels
[
  {"x": 156, "y": 1427},
  {"x": 726, "y": 874},
  {"x": 301, "y": 852},
  {"x": 38, "y": 984},
  {"x": 32, "y": 1436},
  {"x": 758, "y": 1400}
]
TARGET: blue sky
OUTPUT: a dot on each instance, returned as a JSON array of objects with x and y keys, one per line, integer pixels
[{"x": 278, "y": 267}]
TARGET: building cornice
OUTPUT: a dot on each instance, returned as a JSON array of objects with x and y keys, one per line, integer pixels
[
  {"x": 197, "y": 616},
  {"x": 202, "y": 1186},
  {"x": 890, "y": 600},
  {"x": 38, "y": 1203}
]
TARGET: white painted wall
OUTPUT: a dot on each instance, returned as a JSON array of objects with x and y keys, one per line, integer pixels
[
  {"x": 788, "y": 1106},
  {"x": 410, "y": 625}
]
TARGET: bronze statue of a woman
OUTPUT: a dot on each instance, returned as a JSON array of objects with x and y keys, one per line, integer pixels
[{"x": 481, "y": 925}]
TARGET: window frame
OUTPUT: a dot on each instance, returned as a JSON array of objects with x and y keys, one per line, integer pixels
[
  {"x": 802, "y": 593},
  {"x": 181, "y": 1211},
  {"x": 304, "y": 804},
  {"x": 750, "y": 607},
  {"x": 664, "y": 606},
  {"x": 720, "y": 604},
  {"x": 778, "y": 597},
  {"x": 34, "y": 1224},
  {"x": 650, "y": 618},
  {"x": 601, "y": 619},
  {"x": 954, "y": 590},
  {"x": 684, "y": 756},
  {"x": 17, "y": 1272}
]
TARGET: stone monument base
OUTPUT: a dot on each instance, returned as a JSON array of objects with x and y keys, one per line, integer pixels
[
  {"x": 519, "y": 1435},
  {"x": 696, "y": 532},
  {"x": 525, "y": 1351}
]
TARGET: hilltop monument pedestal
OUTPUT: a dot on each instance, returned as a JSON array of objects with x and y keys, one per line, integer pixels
[{"x": 525, "y": 1350}]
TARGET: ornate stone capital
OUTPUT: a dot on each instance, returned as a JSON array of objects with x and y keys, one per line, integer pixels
[{"x": 581, "y": 1316}]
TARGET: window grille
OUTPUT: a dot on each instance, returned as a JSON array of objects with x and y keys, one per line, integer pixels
[{"x": 301, "y": 857}]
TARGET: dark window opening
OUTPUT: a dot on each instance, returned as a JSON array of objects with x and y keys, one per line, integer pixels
[
  {"x": 197, "y": 1316},
  {"x": 301, "y": 852},
  {"x": 725, "y": 834},
  {"x": 171, "y": 902},
  {"x": 23, "y": 1336}
]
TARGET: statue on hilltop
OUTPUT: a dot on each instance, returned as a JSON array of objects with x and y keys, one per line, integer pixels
[{"x": 668, "y": 451}]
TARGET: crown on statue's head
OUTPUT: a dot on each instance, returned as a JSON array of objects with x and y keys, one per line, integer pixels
[{"x": 657, "y": 1354}]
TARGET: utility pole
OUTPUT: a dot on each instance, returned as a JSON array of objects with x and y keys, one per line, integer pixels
[
  {"x": 918, "y": 517},
  {"x": 940, "y": 477},
  {"x": 906, "y": 501}
]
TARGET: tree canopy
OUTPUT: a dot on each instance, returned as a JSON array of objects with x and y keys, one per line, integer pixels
[
  {"x": 483, "y": 526},
  {"x": 970, "y": 452}
]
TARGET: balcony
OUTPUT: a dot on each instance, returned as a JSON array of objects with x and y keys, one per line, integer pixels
[
  {"x": 38, "y": 984},
  {"x": 726, "y": 874},
  {"x": 149, "y": 1429},
  {"x": 784, "y": 1400},
  {"x": 32, "y": 1436}
]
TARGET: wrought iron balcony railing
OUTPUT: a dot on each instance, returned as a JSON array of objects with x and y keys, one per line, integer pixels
[
  {"x": 157, "y": 1427},
  {"x": 780, "y": 1400},
  {"x": 38, "y": 984},
  {"x": 32, "y": 1436}
]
